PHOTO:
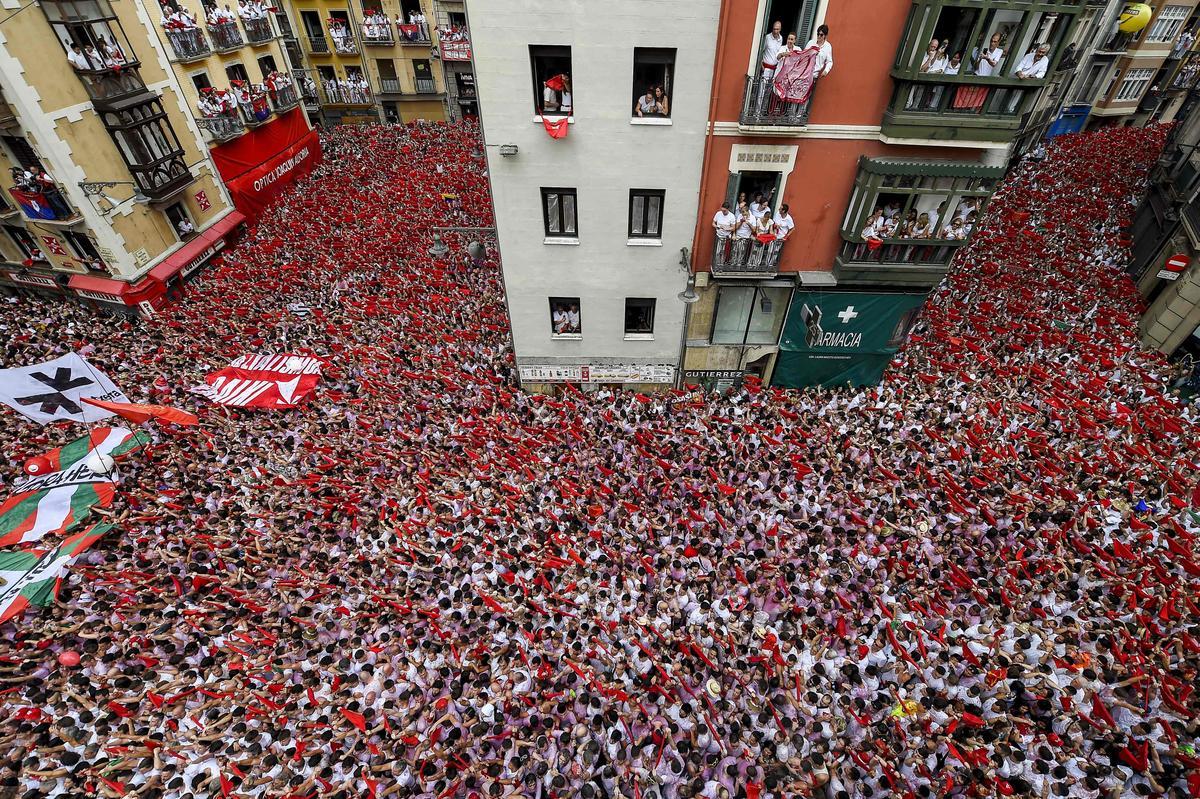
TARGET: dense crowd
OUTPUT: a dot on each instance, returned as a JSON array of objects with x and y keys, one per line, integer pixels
[{"x": 976, "y": 579}]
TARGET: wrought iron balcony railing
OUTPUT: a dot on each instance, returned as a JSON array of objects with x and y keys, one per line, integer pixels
[
  {"x": 225, "y": 36},
  {"x": 188, "y": 44},
  {"x": 258, "y": 30},
  {"x": 762, "y": 106},
  {"x": 734, "y": 256}
]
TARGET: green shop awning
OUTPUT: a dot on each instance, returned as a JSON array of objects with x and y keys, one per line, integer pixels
[{"x": 935, "y": 169}]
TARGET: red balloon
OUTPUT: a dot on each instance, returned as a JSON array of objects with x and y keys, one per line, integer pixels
[
  {"x": 68, "y": 658},
  {"x": 38, "y": 465}
]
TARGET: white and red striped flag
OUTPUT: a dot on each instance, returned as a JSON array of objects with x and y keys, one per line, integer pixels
[{"x": 264, "y": 381}]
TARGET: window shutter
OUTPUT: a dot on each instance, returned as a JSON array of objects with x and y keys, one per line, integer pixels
[
  {"x": 804, "y": 22},
  {"x": 731, "y": 188}
]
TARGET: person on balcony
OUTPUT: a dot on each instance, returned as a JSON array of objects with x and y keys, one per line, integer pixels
[
  {"x": 954, "y": 231},
  {"x": 49, "y": 188},
  {"x": 723, "y": 223},
  {"x": 784, "y": 224},
  {"x": 987, "y": 62},
  {"x": 924, "y": 228},
  {"x": 1035, "y": 63},
  {"x": 566, "y": 106},
  {"x": 343, "y": 42},
  {"x": 662, "y": 102},
  {"x": 82, "y": 61},
  {"x": 824, "y": 63},
  {"x": 954, "y": 65},
  {"x": 113, "y": 53},
  {"x": 772, "y": 44},
  {"x": 935, "y": 60},
  {"x": 185, "y": 227}
]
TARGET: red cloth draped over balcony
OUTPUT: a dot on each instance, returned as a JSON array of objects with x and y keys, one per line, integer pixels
[{"x": 261, "y": 163}]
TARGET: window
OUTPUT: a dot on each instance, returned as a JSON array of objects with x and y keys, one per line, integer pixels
[
  {"x": 749, "y": 314},
  {"x": 201, "y": 82},
  {"x": 1166, "y": 26},
  {"x": 558, "y": 213},
  {"x": 653, "y": 73},
  {"x": 181, "y": 222},
  {"x": 645, "y": 213},
  {"x": 22, "y": 151},
  {"x": 793, "y": 16},
  {"x": 1134, "y": 85},
  {"x": 25, "y": 242},
  {"x": 237, "y": 72},
  {"x": 902, "y": 199},
  {"x": 564, "y": 317},
  {"x": 149, "y": 146},
  {"x": 82, "y": 245},
  {"x": 551, "y": 70},
  {"x": 423, "y": 76},
  {"x": 266, "y": 65},
  {"x": 639, "y": 316}
]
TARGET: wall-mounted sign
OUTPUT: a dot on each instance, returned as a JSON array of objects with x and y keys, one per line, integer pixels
[
  {"x": 599, "y": 373},
  {"x": 1174, "y": 267}
]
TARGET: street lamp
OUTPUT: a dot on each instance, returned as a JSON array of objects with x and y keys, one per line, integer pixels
[
  {"x": 689, "y": 294},
  {"x": 439, "y": 248}
]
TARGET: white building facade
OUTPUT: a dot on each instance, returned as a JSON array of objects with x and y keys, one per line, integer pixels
[{"x": 591, "y": 224}]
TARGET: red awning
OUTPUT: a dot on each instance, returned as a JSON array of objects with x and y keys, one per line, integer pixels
[
  {"x": 100, "y": 285},
  {"x": 176, "y": 261}
]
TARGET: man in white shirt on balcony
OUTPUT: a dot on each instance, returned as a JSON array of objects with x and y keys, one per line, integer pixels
[
  {"x": 988, "y": 61},
  {"x": 77, "y": 58},
  {"x": 772, "y": 44},
  {"x": 724, "y": 221},
  {"x": 784, "y": 225},
  {"x": 824, "y": 63},
  {"x": 1035, "y": 63}
]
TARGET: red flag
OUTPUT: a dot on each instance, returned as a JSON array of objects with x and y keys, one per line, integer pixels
[
  {"x": 138, "y": 412},
  {"x": 356, "y": 719},
  {"x": 557, "y": 128}
]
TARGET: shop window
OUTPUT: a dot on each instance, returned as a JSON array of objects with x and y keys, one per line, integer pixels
[
  {"x": 645, "y": 213},
  {"x": 639, "y": 316},
  {"x": 550, "y": 66},
  {"x": 653, "y": 74},
  {"x": 749, "y": 315},
  {"x": 559, "y": 213},
  {"x": 565, "y": 317}
]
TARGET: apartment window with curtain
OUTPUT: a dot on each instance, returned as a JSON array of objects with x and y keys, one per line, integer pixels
[
  {"x": 558, "y": 213},
  {"x": 1167, "y": 26},
  {"x": 645, "y": 213},
  {"x": 1134, "y": 85}
]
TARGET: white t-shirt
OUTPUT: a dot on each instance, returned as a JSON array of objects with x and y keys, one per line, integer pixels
[
  {"x": 985, "y": 69},
  {"x": 724, "y": 220},
  {"x": 824, "y": 62},
  {"x": 783, "y": 224},
  {"x": 566, "y": 102}
]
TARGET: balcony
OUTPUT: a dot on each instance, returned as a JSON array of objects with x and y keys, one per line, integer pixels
[
  {"x": 225, "y": 36},
  {"x": 284, "y": 97},
  {"x": 344, "y": 42},
  {"x": 762, "y": 108},
  {"x": 306, "y": 88},
  {"x": 164, "y": 178},
  {"x": 390, "y": 86},
  {"x": 8, "y": 118},
  {"x": 377, "y": 32},
  {"x": 222, "y": 128},
  {"x": 1118, "y": 43},
  {"x": 258, "y": 30},
  {"x": 900, "y": 261},
  {"x": 45, "y": 205},
  {"x": 254, "y": 106},
  {"x": 340, "y": 93},
  {"x": 746, "y": 258},
  {"x": 416, "y": 33},
  {"x": 958, "y": 109},
  {"x": 188, "y": 44},
  {"x": 425, "y": 86},
  {"x": 318, "y": 45},
  {"x": 107, "y": 87},
  {"x": 455, "y": 43}
]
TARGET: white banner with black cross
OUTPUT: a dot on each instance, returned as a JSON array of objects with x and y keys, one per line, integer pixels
[{"x": 54, "y": 391}]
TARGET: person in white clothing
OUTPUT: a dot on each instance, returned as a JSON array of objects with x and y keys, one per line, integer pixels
[
  {"x": 935, "y": 58},
  {"x": 784, "y": 225},
  {"x": 724, "y": 221},
  {"x": 772, "y": 44},
  {"x": 566, "y": 106},
  {"x": 1035, "y": 63},
  {"x": 824, "y": 62},
  {"x": 988, "y": 61}
]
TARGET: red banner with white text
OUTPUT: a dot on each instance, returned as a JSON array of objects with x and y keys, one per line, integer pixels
[{"x": 259, "y": 164}]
